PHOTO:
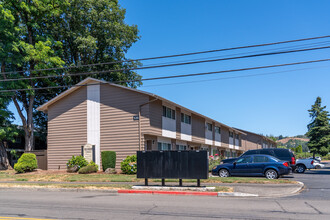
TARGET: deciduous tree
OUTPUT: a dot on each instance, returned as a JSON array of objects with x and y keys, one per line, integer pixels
[{"x": 41, "y": 34}]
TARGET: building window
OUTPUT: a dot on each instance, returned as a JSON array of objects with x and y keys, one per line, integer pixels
[
  {"x": 164, "y": 146},
  {"x": 181, "y": 147},
  {"x": 168, "y": 112},
  {"x": 185, "y": 118},
  {"x": 236, "y": 135},
  {"x": 231, "y": 134},
  {"x": 209, "y": 126},
  {"x": 215, "y": 151},
  {"x": 217, "y": 130}
]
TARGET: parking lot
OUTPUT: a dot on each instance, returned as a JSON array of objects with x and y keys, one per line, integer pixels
[{"x": 316, "y": 183}]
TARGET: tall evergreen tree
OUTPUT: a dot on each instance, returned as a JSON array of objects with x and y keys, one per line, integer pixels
[{"x": 319, "y": 129}]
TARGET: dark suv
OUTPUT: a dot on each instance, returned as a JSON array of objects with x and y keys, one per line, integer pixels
[{"x": 280, "y": 153}]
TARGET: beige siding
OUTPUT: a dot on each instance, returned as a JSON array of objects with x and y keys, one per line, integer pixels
[
  {"x": 119, "y": 132},
  {"x": 225, "y": 137},
  {"x": 178, "y": 123},
  {"x": 67, "y": 128},
  {"x": 251, "y": 141},
  {"x": 173, "y": 145},
  {"x": 155, "y": 114},
  {"x": 198, "y": 129}
]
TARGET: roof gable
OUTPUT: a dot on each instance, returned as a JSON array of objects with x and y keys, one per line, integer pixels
[{"x": 93, "y": 81}]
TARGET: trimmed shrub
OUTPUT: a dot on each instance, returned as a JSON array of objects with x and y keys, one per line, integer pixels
[
  {"x": 92, "y": 163},
  {"x": 108, "y": 159},
  {"x": 26, "y": 163},
  {"x": 128, "y": 165},
  {"x": 88, "y": 169},
  {"x": 79, "y": 161}
]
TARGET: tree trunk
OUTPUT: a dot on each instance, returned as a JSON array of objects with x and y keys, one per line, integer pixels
[
  {"x": 4, "y": 162},
  {"x": 27, "y": 123},
  {"x": 29, "y": 140}
]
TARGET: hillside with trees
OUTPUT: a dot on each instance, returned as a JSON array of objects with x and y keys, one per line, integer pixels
[{"x": 293, "y": 142}]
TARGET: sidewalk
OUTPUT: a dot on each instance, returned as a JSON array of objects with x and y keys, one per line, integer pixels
[{"x": 239, "y": 189}]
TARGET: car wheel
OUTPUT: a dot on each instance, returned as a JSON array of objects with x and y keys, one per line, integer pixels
[
  {"x": 271, "y": 174},
  {"x": 223, "y": 173},
  {"x": 300, "y": 168}
]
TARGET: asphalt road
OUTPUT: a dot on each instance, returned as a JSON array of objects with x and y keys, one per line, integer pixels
[
  {"x": 312, "y": 203},
  {"x": 317, "y": 184}
]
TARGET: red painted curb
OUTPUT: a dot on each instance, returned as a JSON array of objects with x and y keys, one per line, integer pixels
[{"x": 168, "y": 192}]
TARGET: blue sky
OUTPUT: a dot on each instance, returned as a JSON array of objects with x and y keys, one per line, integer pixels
[{"x": 268, "y": 104}]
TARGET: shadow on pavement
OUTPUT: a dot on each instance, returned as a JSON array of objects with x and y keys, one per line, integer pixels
[{"x": 318, "y": 172}]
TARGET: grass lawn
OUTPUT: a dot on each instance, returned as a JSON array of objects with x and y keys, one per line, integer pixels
[{"x": 56, "y": 176}]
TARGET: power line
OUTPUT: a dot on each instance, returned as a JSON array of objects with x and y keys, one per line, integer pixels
[
  {"x": 177, "y": 76},
  {"x": 208, "y": 80},
  {"x": 175, "y": 55},
  {"x": 232, "y": 77},
  {"x": 244, "y": 53},
  {"x": 166, "y": 65}
]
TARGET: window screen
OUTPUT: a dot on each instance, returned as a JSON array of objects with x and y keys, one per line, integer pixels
[
  {"x": 209, "y": 126},
  {"x": 168, "y": 113},
  {"x": 164, "y": 146},
  {"x": 282, "y": 153}
]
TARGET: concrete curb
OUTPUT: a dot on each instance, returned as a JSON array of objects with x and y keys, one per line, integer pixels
[
  {"x": 296, "y": 191},
  {"x": 301, "y": 188},
  {"x": 236, "y": 194},
  {"x": 153, "y": 192},
  {"x": 194, "y": 193}
]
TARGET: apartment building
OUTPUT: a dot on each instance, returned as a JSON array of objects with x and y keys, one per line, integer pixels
[
  {"x": 121, "y": 119},
  {"x": 252, "y": 140}
]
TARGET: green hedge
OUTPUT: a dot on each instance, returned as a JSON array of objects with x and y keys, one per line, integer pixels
[
  {"x": 26, "y": 163},
  {"x": 88, "y": 169},
  {"x": 79, "y": 161},
  {"x": 128, "y": 166},
  {"x": 108, "y": 159}
]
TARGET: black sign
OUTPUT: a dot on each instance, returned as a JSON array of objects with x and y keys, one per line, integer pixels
[
  {"x": 135, "y": 117},
  {"x": 172, "y": 164}
]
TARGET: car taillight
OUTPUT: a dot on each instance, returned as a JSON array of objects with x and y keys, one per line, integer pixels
[
  {"x": 312, "y": 162},
  {"x": 293, "y": 160},
  {"x": 286, "y": 164}
]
